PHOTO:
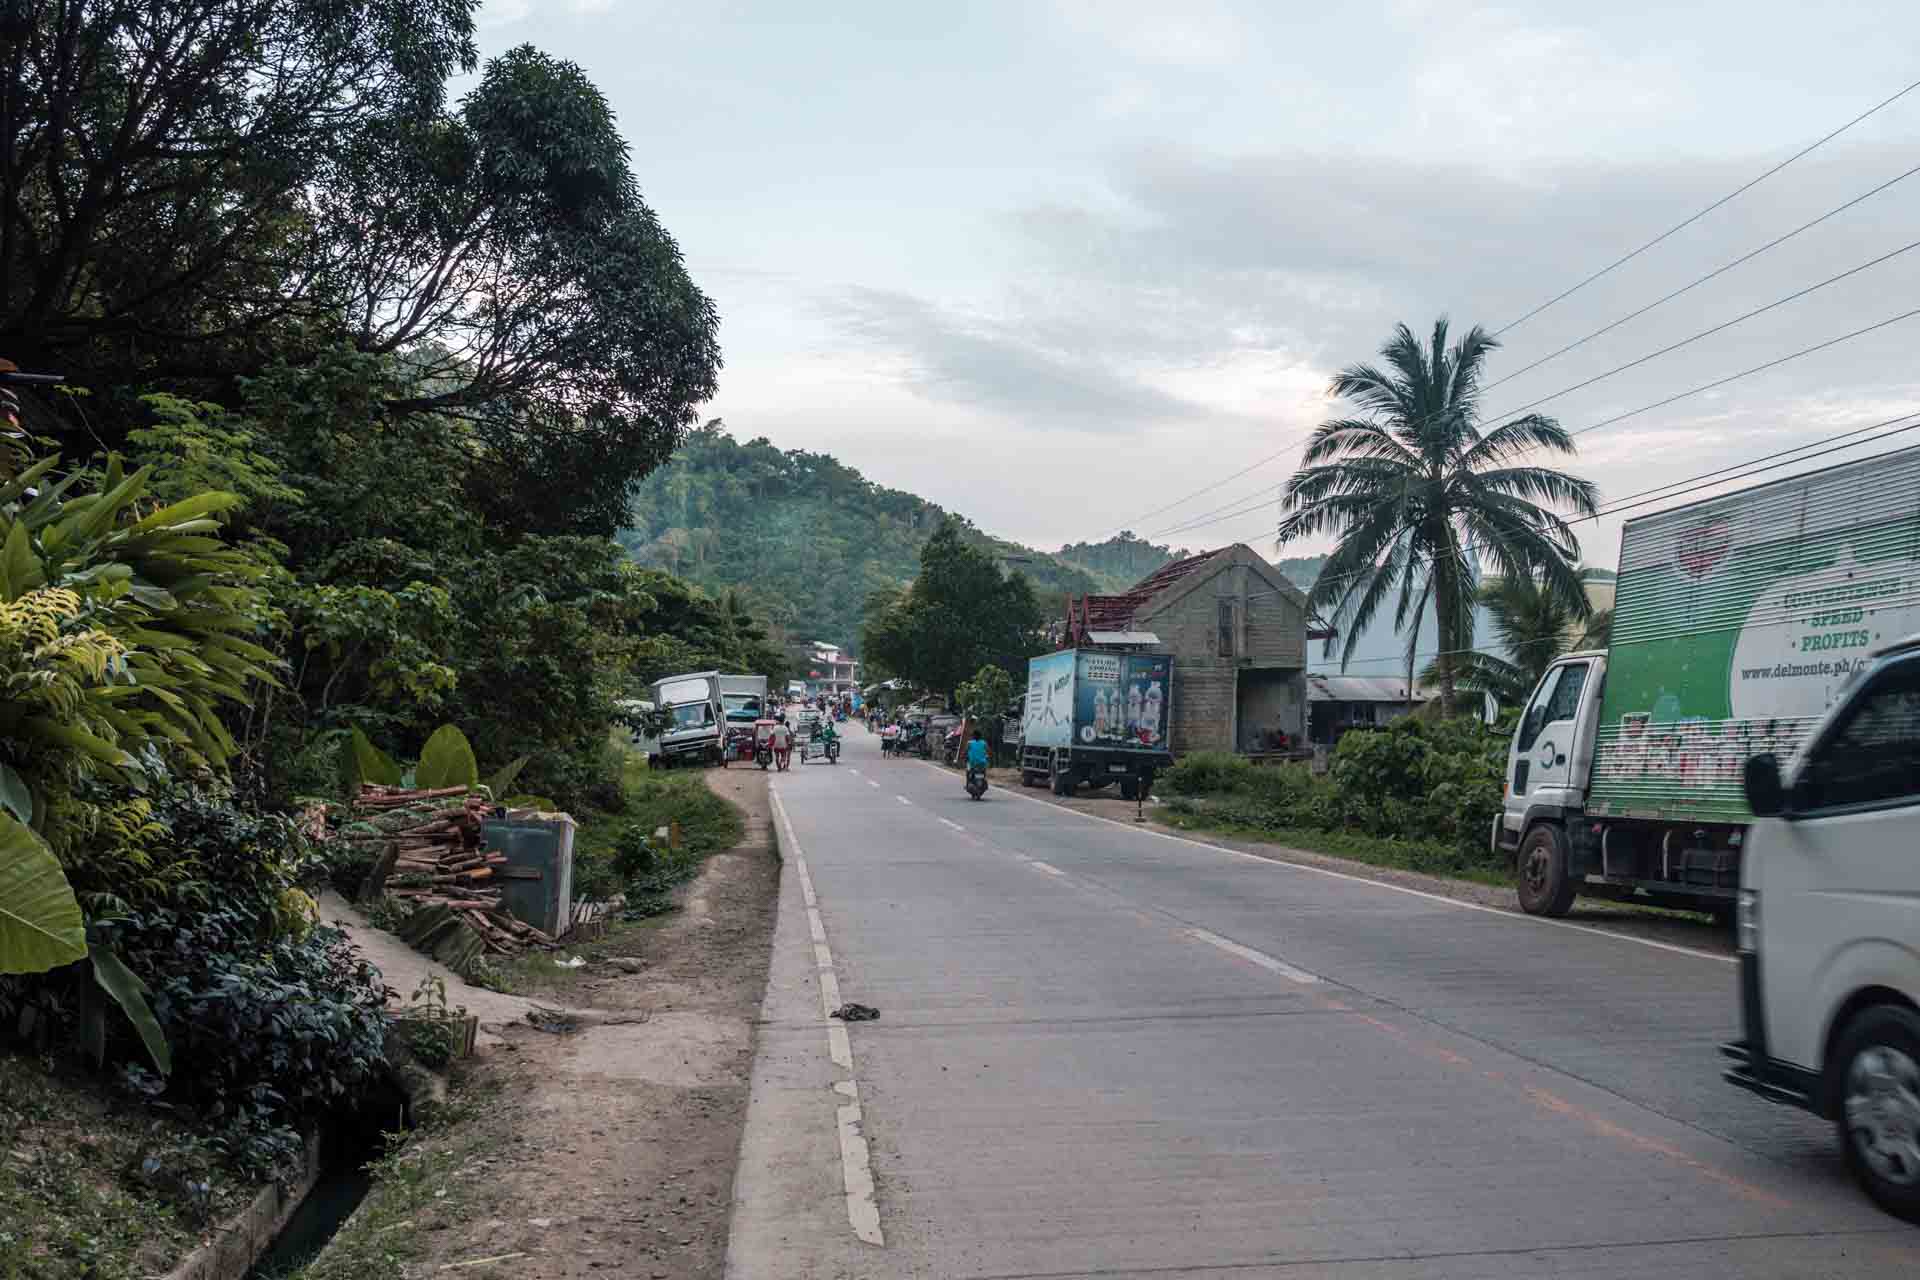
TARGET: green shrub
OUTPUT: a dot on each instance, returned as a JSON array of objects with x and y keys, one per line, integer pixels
[
  {"x": 266, "y": 1033},
  {"x": 1205, "y": 773}
]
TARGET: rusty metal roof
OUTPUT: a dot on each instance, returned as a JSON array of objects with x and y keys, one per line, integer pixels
[{"x": 1087, "y": 614}]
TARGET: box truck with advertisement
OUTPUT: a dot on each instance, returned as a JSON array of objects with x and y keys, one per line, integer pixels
[
  {"x": 1096, "y": 717},
  {"x": 1738, "y": 620}
]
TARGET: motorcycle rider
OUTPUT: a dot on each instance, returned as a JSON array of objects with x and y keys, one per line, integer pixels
[{"x": 977, "y": 753}]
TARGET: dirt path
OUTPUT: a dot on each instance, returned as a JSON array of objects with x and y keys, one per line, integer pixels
[{"x": 614, "y": 1146}]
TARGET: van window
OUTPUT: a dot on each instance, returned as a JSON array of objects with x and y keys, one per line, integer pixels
[{"x": 1873, "y": 755}]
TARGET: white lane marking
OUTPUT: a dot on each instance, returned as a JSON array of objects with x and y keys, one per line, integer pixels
[
  {"x": 840, "y": 1048},
  {"x": 856, "y": 1169},
  {"x": 872, "y": 783},
  {"x": 949, "y": 822},
  {"x": 856, "y": 1161},
  {"x": 1282, "y": 865},
  {"x": 1261, "y": 958},
  {"x": 1047, "y": 867},
  {"x": 903, "y": 800},
  {"x": 854, "y": 772}
]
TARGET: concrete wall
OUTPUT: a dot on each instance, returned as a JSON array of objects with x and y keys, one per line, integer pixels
[
  {"x": 1268, "y": 632},
  {"x": 1269, "y": 697}
]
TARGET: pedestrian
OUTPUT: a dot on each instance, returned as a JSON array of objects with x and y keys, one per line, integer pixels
[{"x": 782, "y": 741}]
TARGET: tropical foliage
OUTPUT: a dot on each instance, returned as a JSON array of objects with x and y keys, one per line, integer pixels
[
  {"x": 1419, "y": 497},
  {"x": 1532, "y": 626},
  {"x": 805, "y": 540},
  {"x": 961, "y": 613}
]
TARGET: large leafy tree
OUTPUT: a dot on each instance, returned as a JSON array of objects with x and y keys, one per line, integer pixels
[
  {"x": 960, "y": 614},
  {"x": 156, "y": 160},
  {"x": 193, "y": 191},
  {"x": 1418, "y": 497}
]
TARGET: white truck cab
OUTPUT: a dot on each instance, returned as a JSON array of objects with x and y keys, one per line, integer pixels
[
  {"x": 1549, "y": 762},
  {"x": 1829, "y": 927}
]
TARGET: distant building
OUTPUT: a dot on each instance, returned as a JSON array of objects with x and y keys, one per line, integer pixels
[
  {"x": 1237, "y": 630},
  {"x": 1336, "y": 704},
  {"x": 829, "y": 670}
]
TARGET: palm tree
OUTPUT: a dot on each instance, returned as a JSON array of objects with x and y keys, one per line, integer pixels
[
  {"x": 1533, "y": 626},
  {"x": 1418, "y": 496}
]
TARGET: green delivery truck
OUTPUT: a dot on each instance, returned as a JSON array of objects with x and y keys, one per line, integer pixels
[{"x": 1737, "y": 620}]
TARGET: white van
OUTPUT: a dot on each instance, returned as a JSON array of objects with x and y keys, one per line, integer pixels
[{"x": 1829, "y": 927}]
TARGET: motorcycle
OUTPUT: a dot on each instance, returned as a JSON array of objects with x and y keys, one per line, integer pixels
[
  {"x": 763, "y": 743},
  {"x": 976, "y": 781},
  {"x": 833, "y": 751}
]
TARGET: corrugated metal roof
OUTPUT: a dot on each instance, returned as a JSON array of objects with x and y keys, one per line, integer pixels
[
  {"x": 1361, "y": 689},
  {"x": 1123, "y": 637},
  {"x": 1115, "y": 613}
]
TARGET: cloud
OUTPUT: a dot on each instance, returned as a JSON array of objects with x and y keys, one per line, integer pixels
[
  {"x": 946, "y": 355},
  {"x": 504, "y": 13}
]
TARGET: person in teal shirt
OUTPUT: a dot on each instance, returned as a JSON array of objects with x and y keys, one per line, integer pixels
[{"x": 977, "y": 751}]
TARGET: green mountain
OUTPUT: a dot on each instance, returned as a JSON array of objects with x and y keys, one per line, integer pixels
[{"x": 805, "y": 539}]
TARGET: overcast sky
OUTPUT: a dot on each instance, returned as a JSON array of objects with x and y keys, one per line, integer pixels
[{"x": 1057, "y": 264}]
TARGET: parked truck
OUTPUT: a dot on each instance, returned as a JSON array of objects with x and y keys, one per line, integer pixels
[
  {"x": 1737, "y": 621},
  {"x": 699, "y": 716},
  {"x": 744, "y": 700},
  {"x": 1096, "y": 717}
]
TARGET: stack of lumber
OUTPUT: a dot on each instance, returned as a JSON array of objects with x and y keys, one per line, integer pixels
[{"x": 431, "y": 855}]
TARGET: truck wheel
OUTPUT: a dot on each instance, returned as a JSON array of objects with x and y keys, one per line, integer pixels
[
  {"x": 1878, "y": 1105},
  {"x": 1545, "y": 881},
  {"x": 1028, "y": 778},
  {"x": 1129, "y": 789}
]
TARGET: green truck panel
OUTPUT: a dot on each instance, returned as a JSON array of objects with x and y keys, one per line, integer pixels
[{"x": 1736, "y": 622}]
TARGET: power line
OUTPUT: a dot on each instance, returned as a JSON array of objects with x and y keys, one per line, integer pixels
[
  {"x": 1697, "y": 281},
  {"x": 1618, "y": 262},
  {"x": 1687, "y": 222},
  {"x": 1759, "y": 368},
  {"x": 1748, "y": 468},
  {"x": 1646, "y": 408},
  {"x": 1709, "y": 332}
]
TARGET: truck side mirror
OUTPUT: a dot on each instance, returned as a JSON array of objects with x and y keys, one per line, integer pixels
[{"x": 1766, "y": 795}]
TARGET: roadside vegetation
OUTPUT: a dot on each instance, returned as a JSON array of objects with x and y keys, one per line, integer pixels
[
  {"x": 1417, "y": 795},
  {"x": 342, "y": 440}
]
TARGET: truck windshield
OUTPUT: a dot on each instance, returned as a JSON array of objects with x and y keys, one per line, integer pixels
[{"x": 692, "y": 716}]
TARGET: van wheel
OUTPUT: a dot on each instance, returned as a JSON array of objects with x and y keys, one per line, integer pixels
[
  {"x": 1546, "y": 881},
  {"x": 1878, "y": 1111}
]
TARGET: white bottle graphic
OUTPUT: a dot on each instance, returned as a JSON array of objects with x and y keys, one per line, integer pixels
[
  {"x": 1134, "y": 705},
  {"x": 1150, "y": 714},
  {"x": 1100, "y": 714}
]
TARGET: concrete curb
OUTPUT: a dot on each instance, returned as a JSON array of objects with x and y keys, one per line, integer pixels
[{"x": 240, "y": 1241}]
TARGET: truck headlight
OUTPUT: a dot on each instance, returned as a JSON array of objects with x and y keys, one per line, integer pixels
[{"x": 1746, "y": 922}]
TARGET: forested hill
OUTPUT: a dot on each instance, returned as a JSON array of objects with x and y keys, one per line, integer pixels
[{"x": 805, "y": 538}]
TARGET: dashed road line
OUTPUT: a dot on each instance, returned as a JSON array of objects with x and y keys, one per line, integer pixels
[
  {"x": 872, "y": 783},
  {"x": 1280, "y": 864},
  {"x": 856, "y": 1161},
  {"x": 1047, "y": 867},
  {"x": 1270, "y": 963},
  {"x": 949, "y": 822},
  {"x": 903, "y": 800}
]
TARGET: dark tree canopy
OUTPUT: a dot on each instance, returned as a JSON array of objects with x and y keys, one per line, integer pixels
[
  {"x": 960, "y": 614},
  {"x": 198, "y": 190}
]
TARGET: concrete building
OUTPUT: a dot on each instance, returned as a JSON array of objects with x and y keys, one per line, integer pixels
[
  {"x": 829, "y": 670},
  {"x": 1237, "y": 630}
]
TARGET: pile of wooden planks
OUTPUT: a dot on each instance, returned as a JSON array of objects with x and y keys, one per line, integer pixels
[{"x": 431, "y": 854}]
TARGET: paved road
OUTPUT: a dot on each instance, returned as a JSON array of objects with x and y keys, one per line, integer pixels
[{"x": 1108, "y": 1053}]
